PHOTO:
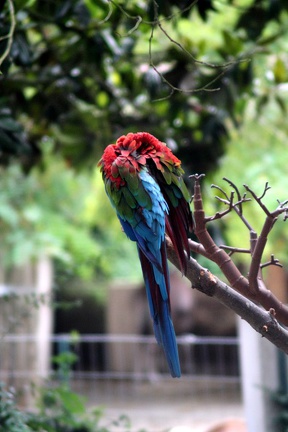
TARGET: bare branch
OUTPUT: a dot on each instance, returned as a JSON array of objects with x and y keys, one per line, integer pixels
[
  {"x": 109, "y": 13},
  {"x": 273, "y": 261},
  {"x": 258, "y": 246},
  {"x": 259, "y": 199},
  {"x": 158, "y": 23},
  {"x": 197, "y": 248},
  {"x": 252, "y": 288},
  {"x": 213, "y": 252},
  {"x": 232, "y": 249},
  {"x": 219, "y": 215},
  {"x": 222, "y": 191},
  {"x": 9, "y": 36},
  {"x": 236, "y": 206},
  {"x": 263, "y": 322},
  {"x": 237, "y": 192}
]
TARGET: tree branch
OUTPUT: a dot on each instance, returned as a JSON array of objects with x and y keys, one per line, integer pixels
[
  {"x": 212, "y": 251},
  {"x": 264, "y": 322},
  {"x": 245, "y": 296},
  {"x": 9, "y": 36}
]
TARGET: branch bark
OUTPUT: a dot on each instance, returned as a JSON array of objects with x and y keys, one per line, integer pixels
[
  {"x": 248, "y": 296},
  {"x": 264, "y": 322},
  {"x": 253, "y": 287}
]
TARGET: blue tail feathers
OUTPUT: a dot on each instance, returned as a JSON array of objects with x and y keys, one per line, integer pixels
[
  {"x": 160, "y": 313},
  {"x": 165, "y": 335}
]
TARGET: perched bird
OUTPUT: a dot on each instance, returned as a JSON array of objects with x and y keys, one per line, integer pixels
[{"x": 143, "y": 180}]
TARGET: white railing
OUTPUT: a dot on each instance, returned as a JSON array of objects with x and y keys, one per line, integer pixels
[{"x": 107, "y": 364}]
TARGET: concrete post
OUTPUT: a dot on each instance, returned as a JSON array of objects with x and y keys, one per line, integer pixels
[
  {"x": 26, "y": 325},
  {"x": 259, "y": 369}
]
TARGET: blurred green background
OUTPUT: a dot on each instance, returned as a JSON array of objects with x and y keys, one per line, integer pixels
[{"x": 207, "y": 78}]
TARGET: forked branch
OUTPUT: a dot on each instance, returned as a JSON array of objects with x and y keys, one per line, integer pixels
[
  {"x": 251, "y": 287},
  {"x": 262, "y": 321}
]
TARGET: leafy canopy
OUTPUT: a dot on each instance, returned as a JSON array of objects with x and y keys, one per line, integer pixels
[
  {"x": 85, "y": 72},
  {"x": 82, "y": 72}
]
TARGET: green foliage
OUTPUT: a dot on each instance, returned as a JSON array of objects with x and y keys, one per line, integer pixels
[
  {"x": 84, "y": 72},
  {"x": 11, "y": 419},
  {"x": 41, "y": 214},
  {"x": 260, "y": 148},
  {"x": 59, "y": 409}
]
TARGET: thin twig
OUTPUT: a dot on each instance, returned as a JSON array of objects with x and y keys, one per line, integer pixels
[
  {"x": 253, "y": 288},
  {"x": 235, "y": 249},
  {"x": 109, "y": 13},
  {"x": 262, "y": 321},
  {"x": 9, "y": 36},
  {"x": 157, "y": 23},
  {"x": 259, "y": 199},
  {"x": 273, "y": 261},
  {"x": 237, "y": 192},
  {"x": 219, "y": 256},
  {"x": 258, "y": 245}
]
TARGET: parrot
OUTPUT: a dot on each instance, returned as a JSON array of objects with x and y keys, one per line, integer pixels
[{"x": 144, "y": 182}]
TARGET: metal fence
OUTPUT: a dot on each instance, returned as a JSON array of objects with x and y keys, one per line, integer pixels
[{"x": 103, "y": 366}]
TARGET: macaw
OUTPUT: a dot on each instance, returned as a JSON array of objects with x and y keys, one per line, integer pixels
[{"x": 143, "y": 180}]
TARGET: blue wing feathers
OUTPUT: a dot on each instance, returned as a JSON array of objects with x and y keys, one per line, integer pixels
[{"x": 147, "y": 229}]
